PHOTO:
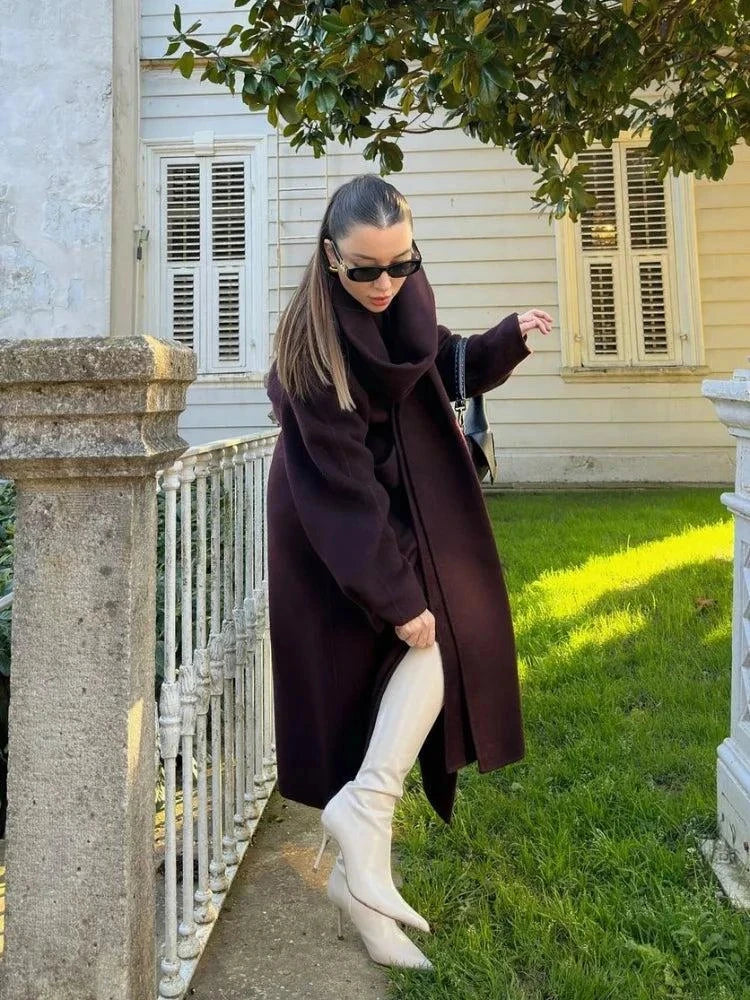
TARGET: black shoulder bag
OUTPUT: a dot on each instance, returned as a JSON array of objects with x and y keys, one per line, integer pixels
[{"x": 474, "y": 424}]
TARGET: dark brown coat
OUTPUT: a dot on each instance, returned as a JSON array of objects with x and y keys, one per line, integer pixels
[{"x": 374, "y": 515}]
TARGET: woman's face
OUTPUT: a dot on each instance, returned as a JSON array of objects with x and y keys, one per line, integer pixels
[{"x": 366, "y": 246}]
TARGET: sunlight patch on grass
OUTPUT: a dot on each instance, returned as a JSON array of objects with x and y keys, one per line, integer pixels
[
  {"x": 566, "y": 592},
  {"x": 719, "y": 633},
  {"x": 602, "y": 629}
]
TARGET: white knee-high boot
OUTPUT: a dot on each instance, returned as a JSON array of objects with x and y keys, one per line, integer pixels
[{"x": 360, "y": 814}]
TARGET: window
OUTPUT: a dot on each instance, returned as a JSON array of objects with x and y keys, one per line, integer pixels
[
  {"x": 206, "y": 256},
  {"x": 627, "y": 268}
]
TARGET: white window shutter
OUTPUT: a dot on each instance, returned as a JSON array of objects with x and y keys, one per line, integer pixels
[
  {"x": 601, "y": 287},
  {"x": 649, "y": 226},
  {"x": 600, "y": 247},
  {"x": 206, "y": 276},
  {"x": 628, "y": 276},
  {"x": 183, "y": 250},
  {"x": 228, "y": 261},
  {"x": 625, "y": 259}
]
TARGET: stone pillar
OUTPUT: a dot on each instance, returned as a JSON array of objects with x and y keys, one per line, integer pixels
[
  {"x": 732, "y": 401},
  {"x": 84, "y": 425}
]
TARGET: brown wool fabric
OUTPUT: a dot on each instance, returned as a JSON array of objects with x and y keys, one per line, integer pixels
[{"x": 373, "y": 516}]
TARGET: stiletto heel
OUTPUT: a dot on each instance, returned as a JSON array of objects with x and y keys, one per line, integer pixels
[
  {"x": 326, "y": 838},
  {"x": 384, "y": 940},
  {"x": 340, "y": 933}
]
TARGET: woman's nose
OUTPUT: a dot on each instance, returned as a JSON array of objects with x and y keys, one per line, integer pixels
[{"x": 383, "y": 283}]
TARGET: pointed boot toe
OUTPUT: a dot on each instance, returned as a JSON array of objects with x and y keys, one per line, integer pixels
[{"x": 384, "y": 940}]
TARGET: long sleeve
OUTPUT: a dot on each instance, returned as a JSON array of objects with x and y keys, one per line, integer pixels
[
  {"x": 344, "y": 509},
  {"x": 490, "y": 356}
]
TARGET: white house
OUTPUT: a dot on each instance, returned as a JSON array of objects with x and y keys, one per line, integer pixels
[{"x": 649, "y": 295}]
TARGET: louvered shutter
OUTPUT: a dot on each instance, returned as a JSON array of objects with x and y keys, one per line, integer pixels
[
  {"x": 228, "y": 260},
  {"x": 183, "y": 250},
  {"x": 601, "y": 254},
  {"x": 648, "y": 256},
  {"x": 625, "y": 253},
  {"x": 600, "y": 251},
  {"x": 205, "y": 267}
]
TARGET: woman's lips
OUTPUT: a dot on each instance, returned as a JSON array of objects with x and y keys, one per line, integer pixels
[{"x": 381, "y": 302}]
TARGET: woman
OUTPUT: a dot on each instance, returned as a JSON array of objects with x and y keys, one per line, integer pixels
[{"x": 390, "y": 626}]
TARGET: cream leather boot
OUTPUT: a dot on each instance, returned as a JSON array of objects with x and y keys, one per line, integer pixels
[
  {"x": 384, "y": 940},
  {"x": 359, "y": 815}
]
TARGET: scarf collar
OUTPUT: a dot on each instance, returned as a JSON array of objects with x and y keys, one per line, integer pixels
[{"x": 391, "y": 360}]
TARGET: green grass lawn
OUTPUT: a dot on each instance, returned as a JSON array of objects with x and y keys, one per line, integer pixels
[{"x": 575, "y": 874}]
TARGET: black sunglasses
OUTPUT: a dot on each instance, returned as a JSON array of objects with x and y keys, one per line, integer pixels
[{"x": 400, "y": 270}]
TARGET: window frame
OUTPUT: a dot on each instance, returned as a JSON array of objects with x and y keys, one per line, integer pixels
[
  {"x": 681, "y": 286},
  {"x": 255, "y": 347}
]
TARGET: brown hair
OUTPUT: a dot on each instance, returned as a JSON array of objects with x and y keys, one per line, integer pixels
[{"x": 306, "y": 345}]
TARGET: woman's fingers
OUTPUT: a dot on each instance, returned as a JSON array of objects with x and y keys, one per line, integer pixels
[
  {"x": 422, "y": 637},
  {"x": 535, "y": 319},
  {"x": 420, "y": 631},
  {"x": 428, "y": 632}
]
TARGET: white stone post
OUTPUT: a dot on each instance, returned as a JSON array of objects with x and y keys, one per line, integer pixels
[{"x": 731, "y": 856}]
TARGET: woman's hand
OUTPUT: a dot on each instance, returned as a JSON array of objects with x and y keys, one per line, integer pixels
[
  {"x": 534, "y": 318},
  {"x": 420, "y": 631}
]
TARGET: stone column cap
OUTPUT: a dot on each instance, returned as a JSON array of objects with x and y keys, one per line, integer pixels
[
  {"x": 91, "y": 406},
  {"x": 731, "y": 397}
]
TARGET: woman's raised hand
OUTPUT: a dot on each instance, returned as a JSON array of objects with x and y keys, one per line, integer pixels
[
  {"x": 420, "y": 631},
  {"x": 534, "y": 318}
]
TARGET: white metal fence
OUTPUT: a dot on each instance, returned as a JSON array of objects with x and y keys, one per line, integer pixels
[{"x": 216, "y": 707}]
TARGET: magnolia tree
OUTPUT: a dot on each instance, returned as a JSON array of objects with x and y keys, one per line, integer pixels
[{"x": 541, "y": 79}]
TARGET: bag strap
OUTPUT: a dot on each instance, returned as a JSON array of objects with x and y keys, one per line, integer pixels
[{"x": 459, "y": 357}]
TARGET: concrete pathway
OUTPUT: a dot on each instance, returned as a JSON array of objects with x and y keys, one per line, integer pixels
[{"x": 276, "y": 934}]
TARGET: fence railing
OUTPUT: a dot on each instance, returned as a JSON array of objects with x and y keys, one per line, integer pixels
[{"x": 216, "y": 706}]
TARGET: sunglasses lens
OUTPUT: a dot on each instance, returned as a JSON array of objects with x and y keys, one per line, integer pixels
[
  {"x": 364, "y": 273},
  {"x": 403, "y": 269}
]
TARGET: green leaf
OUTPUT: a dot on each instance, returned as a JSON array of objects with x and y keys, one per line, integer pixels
[
  {"x": 177, "y": 18},
  {"x": 502, "y": 76},
  {"x": 348, "y": 15},
  {"x": 198, "y": 46},
  {"x": 568, "y": 144},
  {"x": 287, "y": 104},
  {"x": 186, "y": 62},
  {"x": 481, "y": 21},
  {"x": 230, "y": 36},
  {"x": 173, "y": 47},
  {"x": 391, "y": 155},
  {"x": 333, "y": 24},
  {"x": 326, "y": 98}
]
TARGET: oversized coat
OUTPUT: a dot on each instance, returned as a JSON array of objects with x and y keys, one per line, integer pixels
[{"x": 374, "y": 515}]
